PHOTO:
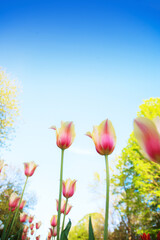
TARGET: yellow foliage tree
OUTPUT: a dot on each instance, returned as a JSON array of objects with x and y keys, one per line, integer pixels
[{"x": 9, "y": 106}]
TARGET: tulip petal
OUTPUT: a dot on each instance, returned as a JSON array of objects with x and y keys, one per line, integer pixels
[{"x": 88, "y": 134}]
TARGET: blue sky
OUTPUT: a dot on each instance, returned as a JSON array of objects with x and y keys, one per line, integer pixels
[{"x": 83, "y": 61}]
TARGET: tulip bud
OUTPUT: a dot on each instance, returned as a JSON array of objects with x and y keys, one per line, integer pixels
[
  {"x": 29, "y": 168},
  {"x": 24, "y": 236},
  {"x": 13, "y": 201},
  {"x": 62, "y": 205},
  {"x": 31, "y": 219},
  {"x": 25, "y": 228},
  {"x": 69, "y": 187},
  {"x": 38, "y": 225},
  {"x": 32, "y": 232},
  {"x": 54, "y": 221},
  {"x": 50, "y": 234},
  {"x": 104, "y": 137},
  {"x": 23, "y": 203},
  {"x": 54, "y": 232},
  {"x": 38, "y": 237},
  {"x": 31, "y": 226},
  {"x": 23, "y": 217},
  {"x": 65, "y": 135}
]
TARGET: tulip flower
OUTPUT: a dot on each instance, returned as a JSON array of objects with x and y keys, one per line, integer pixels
[
  {"x": 25, "y": 229},
  {"x": 50, "y": 234},
  {"x": 23, "y": 217},
  {"x": 38, "y": 225},
  {"x": 23, "y": 203},
  {"x": 54, "y": 220},
  {"x": 13, "y": 201},
  {"x": 69, "y": 187},
  {"x": 31, "y": 219},
  {"x": 29, "y": 168},
  {"x": 147, "y": 133},
  {"x": 31, "y": 226},
  {"x": 65, "y": 135},
  {"x": 24, "y": 236},
  {"x": 54, "y": 232},
  {"x": 104, "y": 137},
  {"x": 62, "y": 209},
  {"x": 145, "y": 236},
  {"x": 158, "y": 236},
  {"x": 38, "y": 237},
  {"x": 32, "y": 232}
]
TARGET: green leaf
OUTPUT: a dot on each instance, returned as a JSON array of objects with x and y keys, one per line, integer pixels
[
  {"x": 91, "y": 234},
  {"x": 65, "y": 232}
]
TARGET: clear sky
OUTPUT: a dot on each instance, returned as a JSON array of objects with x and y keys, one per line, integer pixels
[{"x": 81, "y": 61}]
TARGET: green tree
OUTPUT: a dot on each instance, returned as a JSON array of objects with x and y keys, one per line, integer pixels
[{"x": 137, "y": 184}]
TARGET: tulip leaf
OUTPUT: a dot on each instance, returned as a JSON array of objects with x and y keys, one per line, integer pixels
[
  {"x": 65, "y": 232},
  {"x": 91, "y": 233}
]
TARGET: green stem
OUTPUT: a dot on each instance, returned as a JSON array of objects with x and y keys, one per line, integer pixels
[
  {"x": 64, "y": 214},
  {"x": 107, "y": 199},
  {"x": 17, "y": 209},
  {"x": 60, "y": 195}
]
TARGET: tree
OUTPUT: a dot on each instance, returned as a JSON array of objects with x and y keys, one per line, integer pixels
[
  {"x": 9, "y": 106},
  {"x": 137, "y": 183}
]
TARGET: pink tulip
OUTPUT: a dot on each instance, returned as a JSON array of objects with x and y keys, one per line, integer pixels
[
  {"x": 13, "y": 201},
  {"x": 50, "y": 234},
  {"x": 68, "y": 209},
  {"x": 38, "y": 237},
  {"x": 32, "y": 232},
  {"x": 25, "y": 229},
  {"x": 31, "y": 219},
  {"x": 24, "y": 236},
  {"x": 62, "y": 205},
  {"x": 31, "y": 226},
  {"x": 54, "y": 232},
  {"x": 23, "y": 203},
  {"x": 29, "y": 168},
  {"x": 147, "y": 133},
  {"x": 23, "y": 217},
  {"x": 54, "y": 221},
  {"x": 104, "y": 137},
  {"x": 69, "y": 187},
  {"x": 38, "y": 225},
  {"x": 65, "y": 135}
]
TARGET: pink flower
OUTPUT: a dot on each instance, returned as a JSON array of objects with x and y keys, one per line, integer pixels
[
  {"x": 69, "y": 187},
  {"x": 23, "y": 203},
  {"x": 13, "y": 201},
  {"x": 31, "y": 226},
  {"x": 68, "y": 209},
  {"x": 31, "y": 219},
  {"x": 104, "y": 137},
  {"x": 38, "y": 225},
  {"x": 29, "y": 168},
  {"x": 32, "y": 232},
  {"x": 50, "y": 234},
  {"x": 147, "y": 133},
  {"x": 54, "y": 232},
  {"x": 63, "y": 202},
  {"x": 24, "y": 236},
  {"x": 38, "y": 237},
  {"x": 25, "y": 228},
  {"x": 65, "y": 135},
  {"x": 23, "y": 217},
  {"x": 54, "y": 221}
]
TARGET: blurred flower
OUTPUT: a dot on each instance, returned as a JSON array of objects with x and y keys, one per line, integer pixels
[
  {"x": 158, "y": 236},
  {"x": 29, "y": 168},
  {"x": 31, "y": 226},
  {"x": 25, "y": 228},
  {"x": 147, "y": 133},
  {"x": 104, "y": 137},
  {"x": 31, "y": 219},
  {"x": 23, "y": 217},
  {"x": 145, "y": 236},
  {"x": 2, "y": 165},
  {"x": 62, "y": 205},
  {"x": 13, "y": 201},
  {"x": 38, "y": 237},
  {"x": 54, "y": 221},
  {"x": 65, "y": 135},
  {"x": 50, "y": 234},
  {"x": 32, "y": 232},
  {"x": 54, "y": 232},
  {"x": 38, "y": 225},
  {"x": 23, "y": 203},
  {"x": 69, "y": 187},
  {"x": 24, "y": 236}
]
